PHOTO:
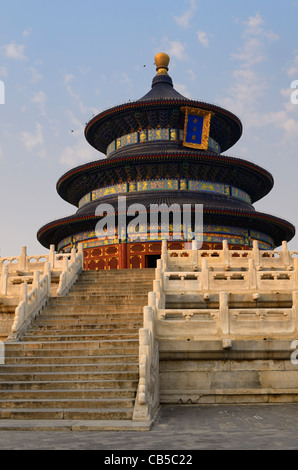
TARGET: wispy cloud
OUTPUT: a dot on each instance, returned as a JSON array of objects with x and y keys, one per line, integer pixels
[
  {"x": 185, "y": 18},
  {"x": 292, "y": 68},
  {"x": 3, "y": 72},
  {"x": 182, "y": 89},
  {"x": 176, "y": 49},
  {"x": 78, "y": 153},
  {"x": 14, "y": 51},
  {"x": 68, "y": 79},
  {"x": 203, "y": 38},
  {"x": 35, "y": 75},
  {"x": 192, "y": 74},
  {"x": 34, "y": 141},
  {"x": 124, "y": 78},
  {"x": 27, "y": 32},
  {"x": 40, "y": 98},
  {"x": 255, "y": 36},
  {"x": 249, "y": 85}
]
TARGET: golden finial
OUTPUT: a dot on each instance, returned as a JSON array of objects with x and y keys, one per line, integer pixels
[{"x": 162, "y": 61}]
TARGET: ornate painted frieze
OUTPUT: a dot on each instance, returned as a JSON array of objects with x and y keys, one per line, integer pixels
[
  {"x": 151, "y": 135},
  {"x": 212, "y": 234},
  {"x": 166, "y": 185}
]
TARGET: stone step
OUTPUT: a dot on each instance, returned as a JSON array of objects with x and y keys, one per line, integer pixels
[
  {"x": 58, "y": 336},
  {"x": 130, "y": 273},
  {"x": 77, "y": 318},
  {"x": 96, "y": 292},
  {"x": 68, "y": 331},
  {"x": 49, "y": 368},
  {"x": 105, "y": 326},
  {"x": 118, "y": 277},
  {"x": 98, "y": 300},
  {"x": 95, "y": 315},
  {"x": 71, "y": 352},
  {"x": 103, "y": 285},
  {"x": 67, "y": 394},
  {"x": 80, "y": 358},
  {"x": 91, "y": 344},
  {"x": 76, "y": 314},
  {"x": 61, "y": 385},
  {"x": 67, "y": 414},
  {"x": 91, "y": 317},
  {"x": 54, "y": 376},
  {"x": 89, "y": 289},
  {"x": 68, "y": 327},
  {"x": 95, "y": 307},
  {"x": 108, "y": 285},
  {"x": 20, "y": 360},
  {"x": 69, "y": 403},
  {"x": 108, "y": 290},
  {"x": 134, "y": 281}
]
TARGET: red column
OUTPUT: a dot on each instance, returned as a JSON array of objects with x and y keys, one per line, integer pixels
[{"x": 122, "y": 256}]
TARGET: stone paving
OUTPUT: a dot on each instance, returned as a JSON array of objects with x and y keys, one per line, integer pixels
[{"x": 245, "y": 427}]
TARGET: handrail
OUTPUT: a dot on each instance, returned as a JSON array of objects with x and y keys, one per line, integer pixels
[
  {"x": 31, "y": 303},
  {"x": 147, "y": 400},
  {"x": 70, "y": 271}
]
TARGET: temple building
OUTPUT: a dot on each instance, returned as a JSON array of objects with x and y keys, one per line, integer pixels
[{"x": 162, "y": 151}]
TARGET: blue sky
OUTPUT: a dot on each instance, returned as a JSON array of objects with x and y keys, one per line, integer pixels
[{"x": 63, "y": 61}]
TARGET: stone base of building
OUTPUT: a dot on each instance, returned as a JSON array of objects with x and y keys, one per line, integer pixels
[{"x": 251, "y": 371}]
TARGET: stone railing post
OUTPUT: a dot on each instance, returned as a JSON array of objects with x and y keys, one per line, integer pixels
[
  {"x": 35, "y": 285},
  {"x": 296, "y": 272},
  {"x": 152, "y": 299},
  {"x": 224, "y": 313},
  {"x": 158, "y": 291},
  {"x": 47, "y": 271},
  {"x": 205, "y": 274},
  {"x": 144, "y": 366},
  {"x": 226, "y": 255},
  {"x": 164, "y": 255},
  {"x": 295, "y": 308},
  {"x": 4, "y": 280},
  {"x": 149, "y": 324},
  {"x": 286, "y": 254},
  {"x": 22, "y": 265},
  {"x": 73, "y": 255},
  {"x": 65, "y": 268},
  {"x": 256, "y": 253},
  {"x": 81, "y": 254},
  {"x": 23, "y": 293},
  {"x": 158, "y": 271},
  {"x": 252, "y": 274},
  {"x": 36, "y": 278},
  {"x": 194, "y": 245},
  {"x": 159, "y": 264},
  {"x": 194, "y": 254},
  {"x": 52, "y": 256},
  {"x": 70, "y": 272}
]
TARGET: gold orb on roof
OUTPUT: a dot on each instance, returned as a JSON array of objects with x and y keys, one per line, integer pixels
[{"x": 162, "y": 61}]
